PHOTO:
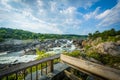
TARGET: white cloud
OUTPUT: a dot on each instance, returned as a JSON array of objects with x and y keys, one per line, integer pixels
[
  {"x": 53, "y": 6},
  {"x": 25, "y": 20},
  {"x": 6, "y": 5},
  {"x": 79, "y": 3},
  {"x": 69, "y": 10},
  {"x": 91, "y": 14},
  {"x": 43, "y": 16},
  {"x": 40, "y": 3},
  {"x": 110, "y": 16},
  {"x": 102, "y": 15}
]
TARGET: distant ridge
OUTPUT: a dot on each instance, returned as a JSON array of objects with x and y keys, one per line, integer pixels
[{"x": 22, "y": 34}]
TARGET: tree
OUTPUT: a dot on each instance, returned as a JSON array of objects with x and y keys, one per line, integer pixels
[
  {"x": 90, "y": 35},
  {"x": 1, "y": 39}
]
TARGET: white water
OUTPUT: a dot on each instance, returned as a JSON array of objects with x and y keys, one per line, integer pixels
[
  {"x": 3, "y": 53},
  {"x": 18, "y": 57}
]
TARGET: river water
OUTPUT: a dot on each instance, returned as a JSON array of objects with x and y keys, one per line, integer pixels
[{"x": 19, "y": 57}]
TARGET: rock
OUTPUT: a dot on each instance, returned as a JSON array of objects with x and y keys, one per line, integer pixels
[
  {"x": 94, "y": 60},
  {"x": 117, "y": 65},
  {"x": 112, "y": 48},
  {"x": 78, "y": 43},
  {"x": 30, "y": 52},
  {"x": 118, "y": 42},
  {"x": 3, "y": 66}
]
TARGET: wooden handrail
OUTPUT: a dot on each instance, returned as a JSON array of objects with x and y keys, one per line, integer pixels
[
  {"x": 93, "y": 68},
  {"x": 24, "y": 66}
]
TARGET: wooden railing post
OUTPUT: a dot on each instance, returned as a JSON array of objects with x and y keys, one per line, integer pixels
[{"x": 50, "y": 66}]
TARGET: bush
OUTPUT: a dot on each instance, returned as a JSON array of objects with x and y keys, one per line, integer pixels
[
  {"x": 110, "y": 60},
  {"x": 1, "y": 39},
  {"x": 93, "y": 54},
  {"x": 87, "y": 47},
  {"x": 42, "y": 54},
  {"x": 74, "y": 53}
]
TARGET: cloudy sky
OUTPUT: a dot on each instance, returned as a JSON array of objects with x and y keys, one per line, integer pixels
[{"x": 60, "y": 16}]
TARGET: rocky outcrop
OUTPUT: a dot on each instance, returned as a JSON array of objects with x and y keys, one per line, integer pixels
[
  {"x": 30, "y": 52},
  {"x": 78, "y": 43},
  {"x": 17, "y": 45},
  {"x": 13, "y": 45},
  {"x": 112, "y": 48}
]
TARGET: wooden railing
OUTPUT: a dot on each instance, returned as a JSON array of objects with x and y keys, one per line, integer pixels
[
  {"x": 91, "y": 68},
  {"x": 47, "y": 65},
  {"x": 21, "y": 68}
]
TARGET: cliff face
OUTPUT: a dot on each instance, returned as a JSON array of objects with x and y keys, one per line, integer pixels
[
  {"x": 112, "y": 48},
  {"x": 102, "y": 47},
  {"x": 99, "y": 51}
]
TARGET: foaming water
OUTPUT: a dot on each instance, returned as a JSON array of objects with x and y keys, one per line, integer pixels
[{"x": 19, "y": 57}]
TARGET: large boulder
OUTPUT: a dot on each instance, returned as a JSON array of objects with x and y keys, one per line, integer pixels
[
  {"x": 78, "y": 43},
  {"x": 112, "y": 48}
]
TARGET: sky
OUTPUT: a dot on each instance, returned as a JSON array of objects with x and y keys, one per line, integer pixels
[{"x": 60, "y": 16}]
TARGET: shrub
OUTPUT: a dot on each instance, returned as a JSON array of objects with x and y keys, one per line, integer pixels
[
  {"x": 87, "y": 47},
  {"x": 94, "y": 54},
  {"x": 1, "y": 39},
  {"x": 42, "y": 54},
  {"x": 74, "y": 53},
  {"x": 111, "y": 38},
  {"x": 110, "y": 60}
]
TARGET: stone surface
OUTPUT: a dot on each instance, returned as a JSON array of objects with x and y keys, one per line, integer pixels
[
  {"x": 112, "y": 48},
  {"x": 78, "y": 43}
]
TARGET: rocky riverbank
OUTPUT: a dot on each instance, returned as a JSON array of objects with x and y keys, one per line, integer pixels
[
  {"x": 12, "y": 45},
  {"x": 18, "y": 51},
  {"x": 100, "y": 51}
]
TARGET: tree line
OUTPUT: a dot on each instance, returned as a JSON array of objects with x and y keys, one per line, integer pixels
[
  {"x": 6, "y": 33},
  {"x": 112, "y": 33}
]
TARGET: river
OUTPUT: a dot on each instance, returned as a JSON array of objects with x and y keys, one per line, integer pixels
[{"x": 21, "y": 57}]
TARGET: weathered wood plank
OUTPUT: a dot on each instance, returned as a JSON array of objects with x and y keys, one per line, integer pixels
[
  {"x": 20, "y": 67},
  {"x": 97, "y": 69},
  {"x": 50, "y": 66},
  {"x": 71, "y": 76}
]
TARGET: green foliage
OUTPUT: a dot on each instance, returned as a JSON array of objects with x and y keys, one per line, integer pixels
[
  {"x": 1, "y": 39},
  {"x": 103, "y": 58},
  {"x": 20, "y": 76},
  {"x": 105, "y": 35},
  {"x": 21, "y": 34},
  {"x": 39, "y": 53},
  {"x": 56, "y": 61},
  {"x": 75, "y": 53},
  {"x": 113, "y": 38},
  {"x": 110, "y": 60},
  {"x": 42, "y": 54},
  {"x": 93, "y": 54},
  {"x": 87, "y": 47}
]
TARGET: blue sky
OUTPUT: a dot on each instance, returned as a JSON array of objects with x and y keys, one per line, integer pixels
[{"x": 60, "y": 16}]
